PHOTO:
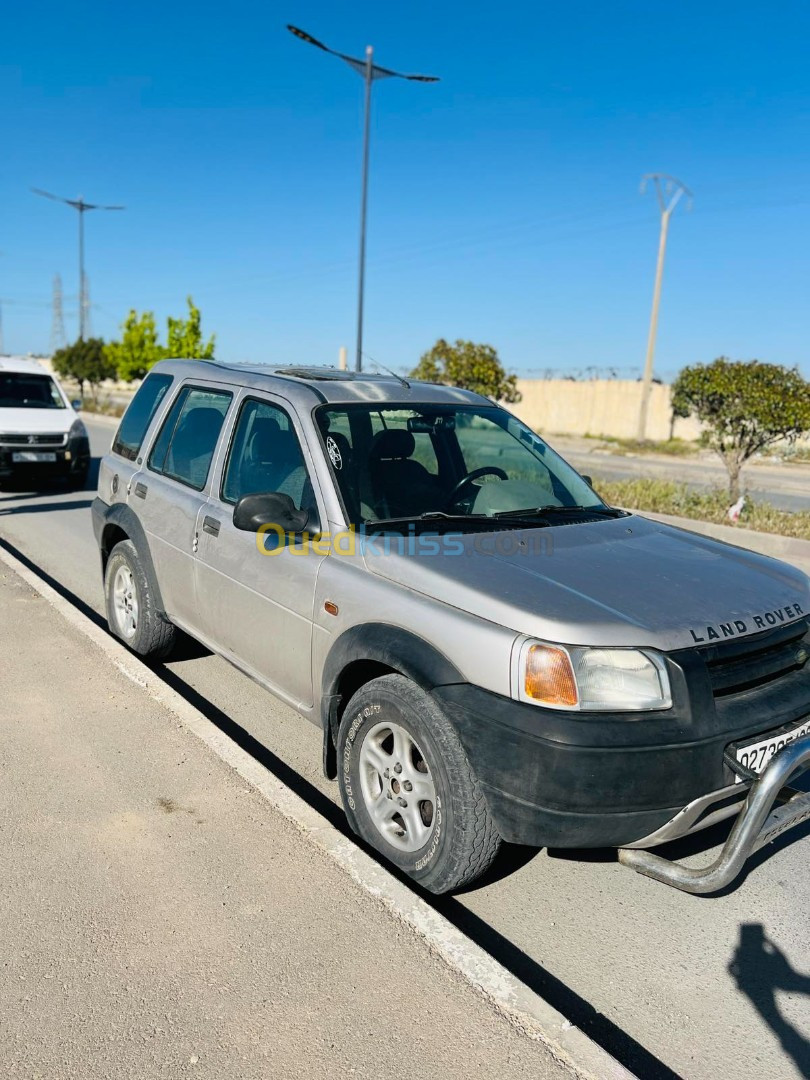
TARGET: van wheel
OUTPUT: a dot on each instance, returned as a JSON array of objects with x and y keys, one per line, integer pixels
[
  {"x": 77, "y": 479},
  {"x": 408, "y": 788},
  {"x": 131, "y": 613}
]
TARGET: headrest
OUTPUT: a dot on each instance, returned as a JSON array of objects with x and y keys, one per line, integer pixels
[
  {"x": 200, "y": 422},
  {"x": 392, "y": 443},
  {"x": 264, "y": 438}
]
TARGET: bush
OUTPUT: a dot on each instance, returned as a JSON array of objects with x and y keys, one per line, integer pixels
[{"x": 668, "y": 497}]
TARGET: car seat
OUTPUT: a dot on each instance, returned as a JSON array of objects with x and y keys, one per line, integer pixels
[{"x": 401, "y": 487}]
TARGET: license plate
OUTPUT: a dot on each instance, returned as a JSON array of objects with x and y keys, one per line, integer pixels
[
  {"x": 756, "y": 756},
  {"x": 32, "y": 456}
]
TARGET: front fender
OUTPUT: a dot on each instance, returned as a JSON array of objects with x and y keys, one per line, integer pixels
[{"x": 381, "y": 647}]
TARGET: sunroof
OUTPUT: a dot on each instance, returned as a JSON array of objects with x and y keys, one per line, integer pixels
[{"x": 321, "y": 373}]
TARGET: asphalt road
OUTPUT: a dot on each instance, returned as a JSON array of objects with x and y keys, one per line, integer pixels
[
  {"x": 784, "y": 486},
  {"x": 672, "y": 984}
]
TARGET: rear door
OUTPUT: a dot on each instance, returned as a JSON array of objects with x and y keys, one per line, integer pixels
[
  {"x": 170, "y": 491},
  {"x": 255, "y": 594}
]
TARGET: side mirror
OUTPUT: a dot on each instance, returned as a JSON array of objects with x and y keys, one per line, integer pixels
[
  {"x": 269, "y": 508},
  {"x": 76, "y": 404},
  {"x": 588, "y": 479}
]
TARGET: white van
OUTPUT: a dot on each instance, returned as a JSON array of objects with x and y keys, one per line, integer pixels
[{"x": 41, "y": 436}]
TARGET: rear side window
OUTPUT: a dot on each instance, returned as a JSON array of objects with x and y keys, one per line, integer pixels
[
  {"x": 139, "y": 415},
  {"x": 184, "y": 448}
]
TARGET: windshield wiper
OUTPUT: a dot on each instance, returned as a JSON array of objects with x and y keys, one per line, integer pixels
[
  {"x": 602, "y": 511},
  {"x": 439, "y": 516},
  {"x": 429, "y": 515}
]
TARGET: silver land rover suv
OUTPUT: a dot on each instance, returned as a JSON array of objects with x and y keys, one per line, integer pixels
[{"x": 492, "y": 652}]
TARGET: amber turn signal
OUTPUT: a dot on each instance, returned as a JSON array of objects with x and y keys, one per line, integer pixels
[{"x": 549, "y": 677}]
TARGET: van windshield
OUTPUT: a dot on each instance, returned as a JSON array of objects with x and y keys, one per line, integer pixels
[
  {"x": 464, "y": 464},
  {"x": 21, "y": 390}
]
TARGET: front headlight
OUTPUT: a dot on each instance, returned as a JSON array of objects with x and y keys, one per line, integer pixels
[
  {"x": 592, "y": 679},
  {"x": 77, "y": 430}
]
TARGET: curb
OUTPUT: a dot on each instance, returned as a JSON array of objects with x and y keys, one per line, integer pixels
[
  {"x": 519, "y": 1005},
  {"x": 102, "y": 418}
]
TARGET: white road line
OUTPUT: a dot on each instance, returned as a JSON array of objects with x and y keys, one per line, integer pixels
[{"x": 513, "y": 999}]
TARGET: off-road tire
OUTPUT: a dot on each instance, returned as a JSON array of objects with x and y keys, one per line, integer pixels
[
  {"x": 463, "y": 841},
  {"x": 153, "y": 635}
]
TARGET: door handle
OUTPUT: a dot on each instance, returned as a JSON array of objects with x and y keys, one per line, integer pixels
[
  {"x": 211, "y": 526},
  {"x": 141, "y": 490}
]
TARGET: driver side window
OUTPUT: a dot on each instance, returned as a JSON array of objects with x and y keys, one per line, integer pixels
[{"x": 265, "y": 456}]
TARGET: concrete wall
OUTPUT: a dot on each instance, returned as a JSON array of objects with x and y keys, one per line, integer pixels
[{"x": 597, "y": 407}]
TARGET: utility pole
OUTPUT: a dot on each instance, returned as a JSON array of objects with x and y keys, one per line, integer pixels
[
  {"x": 669, "y": 190},
  {"x": 82, "y": 207},
  {"x": 369, "y": 72},
  {"x": 361, "y": 274}
]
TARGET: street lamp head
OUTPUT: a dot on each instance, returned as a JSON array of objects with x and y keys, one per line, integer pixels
[{"x": 361, "y": 66}]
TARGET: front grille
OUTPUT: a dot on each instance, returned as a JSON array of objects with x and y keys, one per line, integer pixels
[
  {"x": 739, "y": 665},
  {"x": 57, "y": 438}
]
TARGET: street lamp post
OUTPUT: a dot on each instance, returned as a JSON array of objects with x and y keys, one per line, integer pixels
[
  {"x": 669, "y": 191},
  {"x": 82, "y": 207},
  {"x": 369, "y": 72}
]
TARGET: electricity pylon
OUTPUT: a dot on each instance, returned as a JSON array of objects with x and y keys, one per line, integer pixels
[{"x": 57, "y": 317}]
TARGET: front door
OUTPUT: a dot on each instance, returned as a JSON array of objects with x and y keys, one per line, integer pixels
[{"x": 256, "y": 595}]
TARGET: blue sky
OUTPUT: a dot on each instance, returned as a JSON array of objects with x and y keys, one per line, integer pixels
[{"x": 504, "y": 200}]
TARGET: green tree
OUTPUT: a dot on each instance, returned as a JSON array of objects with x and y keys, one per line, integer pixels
[
  {"x": 185, "y": 336},
  {"x": 85, "y": 362},
  {"x": 470, "y": 366},
  {"x": 139, "y": 348},
  {"x": 744, "y": 407}
]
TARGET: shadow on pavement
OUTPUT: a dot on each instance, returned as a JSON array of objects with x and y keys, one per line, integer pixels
[
  {"x": 46, "y": 507},
  {"x": 760, "y": 968}
]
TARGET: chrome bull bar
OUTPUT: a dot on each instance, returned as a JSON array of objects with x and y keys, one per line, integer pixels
[{"x": 757, "y": 824}]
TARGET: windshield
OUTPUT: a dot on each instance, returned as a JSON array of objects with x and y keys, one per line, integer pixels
[
  {"x": 406, "y": 463},
  {"x": 21, "y": 390}
]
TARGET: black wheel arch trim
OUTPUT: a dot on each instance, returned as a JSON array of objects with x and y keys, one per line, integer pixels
[
  {"x": 372, "y": 649},
  {"x": 124, "y": 518}
]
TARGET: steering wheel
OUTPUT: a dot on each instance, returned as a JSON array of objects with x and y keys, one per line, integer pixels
[{"x": 465, "y": 481}]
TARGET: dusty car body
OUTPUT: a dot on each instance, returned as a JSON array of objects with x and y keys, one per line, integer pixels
[{"x": 491, "y": 652}]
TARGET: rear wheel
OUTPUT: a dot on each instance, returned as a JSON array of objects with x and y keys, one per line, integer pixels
[
  {"x": 131, "y": 613},
  {"x": 408, "y": 788}
]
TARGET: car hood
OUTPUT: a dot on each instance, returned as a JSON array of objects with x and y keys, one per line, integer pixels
[
  {"x": 624, "y": 581},
  {"x": 35, "y": 421}
]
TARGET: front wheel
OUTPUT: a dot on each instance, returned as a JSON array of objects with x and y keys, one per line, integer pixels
[
  {"x": 77, "y": 478},
  {"x": 131, "y": 612},
  {"x": 408, "y": 788}
]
